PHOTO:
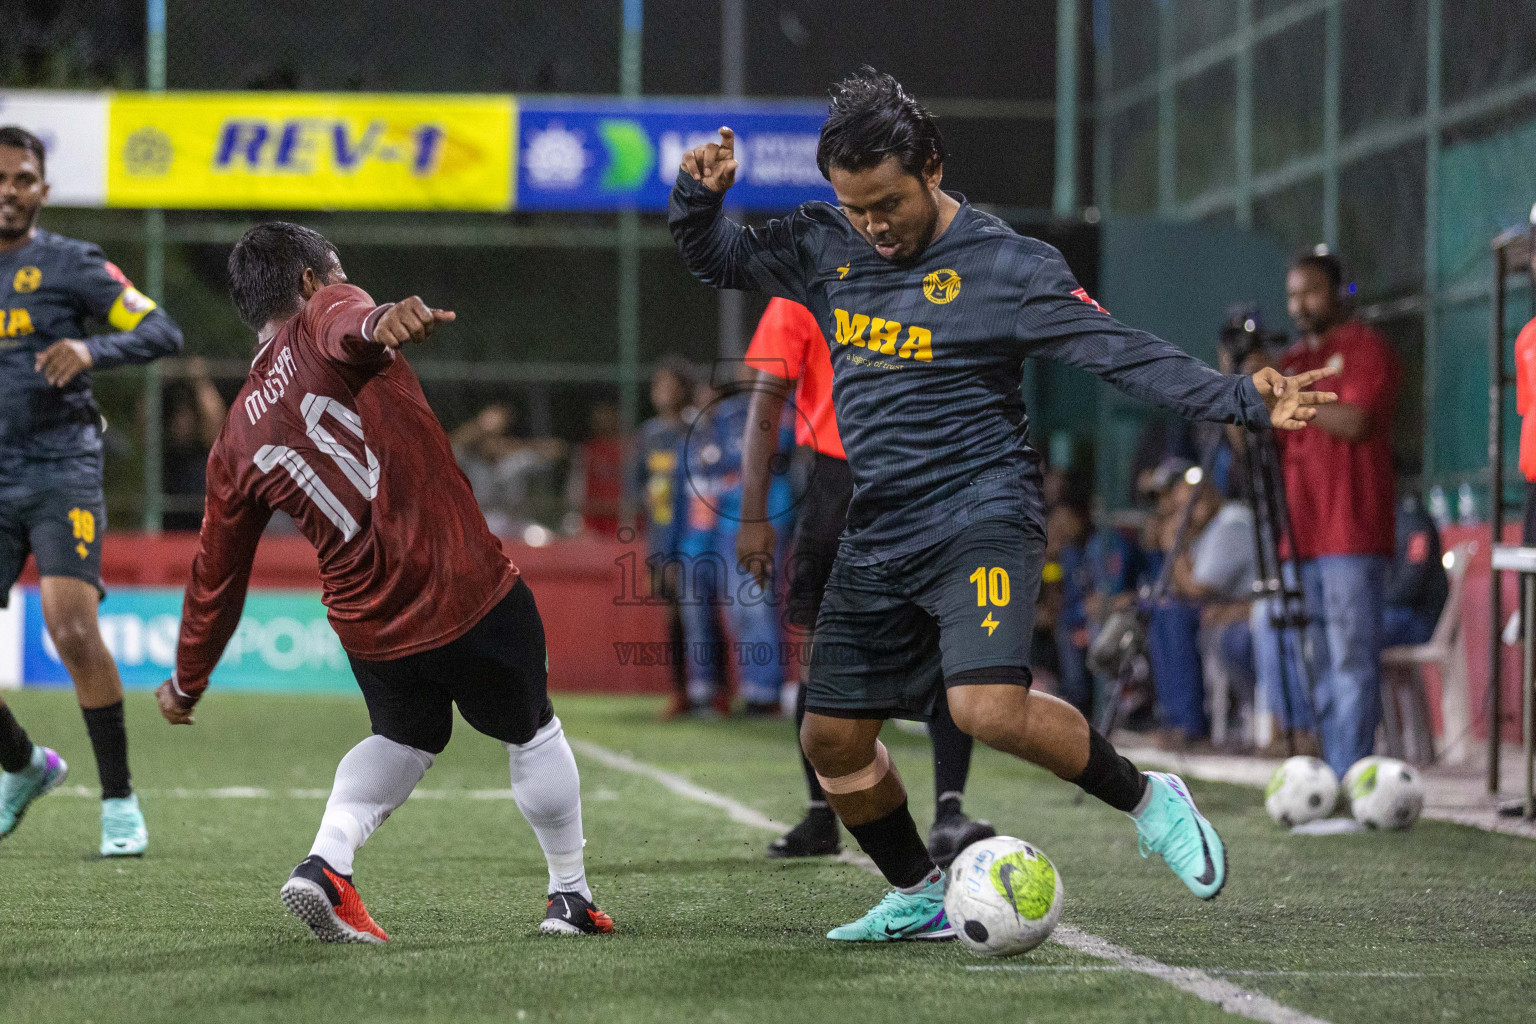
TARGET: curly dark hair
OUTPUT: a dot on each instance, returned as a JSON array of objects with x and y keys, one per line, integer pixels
[
  {"x": 872, "y": 117},
  {"x": 267, "y": 265}
]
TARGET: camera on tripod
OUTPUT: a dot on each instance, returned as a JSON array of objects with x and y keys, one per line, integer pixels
[{"x": 1243, "y": 333}]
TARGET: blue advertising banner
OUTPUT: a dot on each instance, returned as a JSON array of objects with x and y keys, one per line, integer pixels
[
  {"x": 283, "y": 642},
  {"x": 615, "y": 155}
]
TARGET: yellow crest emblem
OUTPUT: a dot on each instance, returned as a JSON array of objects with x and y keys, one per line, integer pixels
[
  {"x": 27, "y": 279},
  {"x": 941, "y": 286}
]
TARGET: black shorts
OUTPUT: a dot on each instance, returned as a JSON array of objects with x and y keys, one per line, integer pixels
[
  {"x": 822, "y": 515},
  {"x": 61, "y": 528},
  {"x": 892, "y": 635},
  {"x": 496, "y": 673}
]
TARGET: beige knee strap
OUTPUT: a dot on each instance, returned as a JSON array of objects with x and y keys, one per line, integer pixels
[{"x": 865, "y": 778}]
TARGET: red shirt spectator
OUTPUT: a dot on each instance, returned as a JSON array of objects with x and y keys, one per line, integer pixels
[
  {"x": 1341, "y": 493},
  {"x": 789, "y": 344},
  {"x": 1525, "y": 398},
  {"x": 596, "y": 483}
]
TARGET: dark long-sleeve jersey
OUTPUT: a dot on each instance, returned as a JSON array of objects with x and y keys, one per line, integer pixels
[
  {"x": 927, "y": 357},
  {"x": 332, "y": 428},
  {"x": 50, "y": 289}
]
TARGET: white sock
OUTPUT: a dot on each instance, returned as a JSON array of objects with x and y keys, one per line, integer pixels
[
  {"x": 547, "y": 789},
  {"x": 928, "y": 879},
  {"x": 371, "y": 781},
  {"x": 1146, "y": 798}
]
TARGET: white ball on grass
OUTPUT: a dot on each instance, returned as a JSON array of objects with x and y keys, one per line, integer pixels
[
  {"x": 1386, "y": 793},
  {"x": 1004, "y": 897},
  {"x": 1302, "y": 789}
]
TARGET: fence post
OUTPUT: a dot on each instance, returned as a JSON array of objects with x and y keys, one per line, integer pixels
[
  {"x": 154, "y": 285},
  {"x": 629, "y": 259}
]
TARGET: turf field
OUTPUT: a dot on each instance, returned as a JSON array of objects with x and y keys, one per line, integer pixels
[{"x": 1436, "y": 924}]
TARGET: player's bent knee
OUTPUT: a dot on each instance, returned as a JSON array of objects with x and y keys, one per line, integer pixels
[
  {"x": 834, "y": 749},
  {"x": 989, "y": 703},
  {"x": 861, "y": 779},
  {"x": 544, "y": 733}
]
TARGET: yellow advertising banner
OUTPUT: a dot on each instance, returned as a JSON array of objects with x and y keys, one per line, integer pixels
[{"x": 330, "y": 151}]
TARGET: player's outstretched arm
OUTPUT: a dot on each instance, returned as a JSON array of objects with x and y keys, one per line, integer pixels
[
  {"x": 722, "y": 253},
  {"x": 409, "y": 320},
  {"x": 1290, "y": 404},
  {"x": 1059, "y": 320}
]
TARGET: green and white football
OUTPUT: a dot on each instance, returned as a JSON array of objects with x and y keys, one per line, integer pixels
[
  {"x": 1302, "y": 789},
  {"x": 1384, "y": 793},
  {"x": 1004, "y": 897}
]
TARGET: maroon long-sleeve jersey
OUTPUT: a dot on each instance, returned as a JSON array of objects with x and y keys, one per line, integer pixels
[{"x": 332, "y": 428}]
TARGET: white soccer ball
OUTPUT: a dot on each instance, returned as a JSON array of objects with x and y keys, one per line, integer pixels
[
  {"x": 1387, "y": 793},
  {"x": 1004, "y": 897},
  {"x": 1347, "y": 785},
  {"x": 1302, "y": 789}
]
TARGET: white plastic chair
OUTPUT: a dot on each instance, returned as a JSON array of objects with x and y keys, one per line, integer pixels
[{"x": 1403, "y": 701}]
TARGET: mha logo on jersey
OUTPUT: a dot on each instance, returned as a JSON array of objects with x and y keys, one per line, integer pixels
[
  {"x": 941, "y": 286},
  {"x": 27, "y": 279},
  {"x": 880, "y": 335}
]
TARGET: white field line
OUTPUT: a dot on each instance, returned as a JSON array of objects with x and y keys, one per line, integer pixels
[
  {"x": 1224, "y": 971},
  {"x": 257, "y": 793},
  {"x": 1198, "y": 983}
]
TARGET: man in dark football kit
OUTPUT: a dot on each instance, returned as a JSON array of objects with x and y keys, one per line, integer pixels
[
  {"x": 51, "y": 504},
  {"x": 930, "y": 307},
  {"x": 332, "y": 428}
]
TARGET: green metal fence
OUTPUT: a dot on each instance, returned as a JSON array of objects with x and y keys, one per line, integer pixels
[
  {"x": 1399, "y": 132},
  {"x": 558, "y": 311}
]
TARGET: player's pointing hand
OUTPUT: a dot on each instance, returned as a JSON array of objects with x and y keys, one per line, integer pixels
[
  {"x": 714, "y": 164},
  {"x": 1291, "y": 405},
  {"x": 409, "y": 320}
]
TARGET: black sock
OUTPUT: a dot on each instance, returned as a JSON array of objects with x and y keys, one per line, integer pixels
[
  {"x": 951, "y": 753},
  {"x": 812, "y": 783},
  {"x": 109, "y": 739},
  {"x": 893, "y": 843},
  {"x": 1110, "y": 776},
  {"x": 15, "y": 748}
]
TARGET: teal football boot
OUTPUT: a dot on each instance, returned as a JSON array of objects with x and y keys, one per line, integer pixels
[
  {"x": 19, "y": 789},
  {"x": 901, "y": 917},
  {"x": 122, "y": 827},
  {"x": 1173, "y": 827}
]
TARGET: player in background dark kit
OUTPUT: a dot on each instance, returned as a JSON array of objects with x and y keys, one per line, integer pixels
[
  {"x": 788, "y": 350},
  {"x": 931, "y": 307},
  {"x": 658, "y": 451},
  {"x": 51, "y": 504},
  {"x": 332, "y": 428}
]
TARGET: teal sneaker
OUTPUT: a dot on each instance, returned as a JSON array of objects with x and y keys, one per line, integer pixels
[
  {"x": 19, "y": 789},
  {"x": 1172, "y": 826},
  {"x": 122, "y": 827},
  {"x": 901, "y": 917}
]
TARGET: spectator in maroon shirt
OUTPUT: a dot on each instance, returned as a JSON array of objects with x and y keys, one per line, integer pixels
[{"x": 1341, "y": 494}]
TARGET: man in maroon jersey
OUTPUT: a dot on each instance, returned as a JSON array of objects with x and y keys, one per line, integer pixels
[{"x": 332, "y": 428}]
